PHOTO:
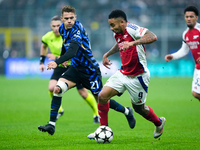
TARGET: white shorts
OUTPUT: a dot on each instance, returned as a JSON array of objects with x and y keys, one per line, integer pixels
[
  {"x": 196, "y": 81},
  {"x": 136, "y": 86}
]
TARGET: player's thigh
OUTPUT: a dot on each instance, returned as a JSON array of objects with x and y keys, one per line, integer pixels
[
  {"x": 116, "y": 83},
  {"x": 196, "y": 81},
  {"x": 137, "y": 88},
  {"x": 107, "y": 93}
]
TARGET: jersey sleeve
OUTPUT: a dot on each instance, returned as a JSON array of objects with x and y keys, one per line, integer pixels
[
  {"x": 184, "y": 50},
  {"x": 183, "y": 35},
  {"x": 136, "y": 31},
  {"x": 76, "y": 35},
  {"x": 45, "y": 39}
]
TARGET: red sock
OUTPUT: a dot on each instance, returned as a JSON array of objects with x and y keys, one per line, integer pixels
[
  {"x": 103, "y": 113},
  {"x": 153, "y": 117}
]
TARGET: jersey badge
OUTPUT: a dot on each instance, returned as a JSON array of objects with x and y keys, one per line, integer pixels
[{"x": 125, "y": 36}]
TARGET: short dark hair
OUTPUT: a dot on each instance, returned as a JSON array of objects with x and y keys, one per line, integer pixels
[
  {"x": 192, "y": 8},
  {"x": 117, "y": 14},
  {"x": 55, "y": 18},
  {"x": 68, "y": 9}
]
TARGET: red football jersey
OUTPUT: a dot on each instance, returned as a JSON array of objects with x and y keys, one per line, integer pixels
[
  {"x": 134, "y": 58},
  {"x": 192, "y": 39}
]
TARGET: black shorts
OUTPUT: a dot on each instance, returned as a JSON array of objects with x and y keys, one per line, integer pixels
[
  {"x": 79, "y": 86},
  {"x": 58, "y": 71},
  {"x": 89, "y": 79}
]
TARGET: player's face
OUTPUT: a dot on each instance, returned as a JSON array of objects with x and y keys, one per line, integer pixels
[
  {"x": 68, "y": 19},
  {"x": 116, "y": 25},
  {"x": 55, "y": 24},
  {"x": 190, "y": 19}
]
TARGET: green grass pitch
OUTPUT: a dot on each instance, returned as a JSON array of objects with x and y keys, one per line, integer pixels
[{"x": 25, "y": 104}]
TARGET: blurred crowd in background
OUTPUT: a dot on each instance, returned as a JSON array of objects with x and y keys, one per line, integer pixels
[{"x": 24, "y": 22}]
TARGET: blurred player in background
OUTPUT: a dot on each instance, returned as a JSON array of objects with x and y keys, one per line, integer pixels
[
  {"x": 134, "y": 75},
  {"x": 84, "y": 69},
  {"x": 54, "y": 41},
  {"x": 191, "y": 41}
]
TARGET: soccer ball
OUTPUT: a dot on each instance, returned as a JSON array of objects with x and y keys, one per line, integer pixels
[{"x": 103, "y": 134}]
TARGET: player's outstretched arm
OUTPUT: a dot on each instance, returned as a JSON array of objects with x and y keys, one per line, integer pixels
[
  {"x": 184, "y": 50},
  {"x": 70, "y": 53},
  {"x": 113, "y": 50},
  {"x": 106, "y": 62}
]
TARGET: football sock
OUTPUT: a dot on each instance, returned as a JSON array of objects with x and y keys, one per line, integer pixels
[
  {"x": 118, "y": 107},
  {"x": 92, "y": 103},
  {"x": 151, "y": 116},
  {"x": 51, "y": 95},
  {"x": 60, "y": 109},
  {"x": 55, "y": 105},
  {"x": 103, "y": 113}
]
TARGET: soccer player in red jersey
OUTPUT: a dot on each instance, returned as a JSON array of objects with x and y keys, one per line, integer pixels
[
  {"x": 191, "y": 41},
  {"x": 134, "y": 75}
]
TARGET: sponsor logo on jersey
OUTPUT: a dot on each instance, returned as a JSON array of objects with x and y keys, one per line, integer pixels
[
  {"x": 187, "y": 39},
  {"x": 193, "y": 45}
]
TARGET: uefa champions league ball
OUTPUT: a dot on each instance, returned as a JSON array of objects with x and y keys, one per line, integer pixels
[{"x": 103, "y": 134}]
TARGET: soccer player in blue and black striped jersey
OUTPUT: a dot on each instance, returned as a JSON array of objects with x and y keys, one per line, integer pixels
[{"x": 84, "y": 69}]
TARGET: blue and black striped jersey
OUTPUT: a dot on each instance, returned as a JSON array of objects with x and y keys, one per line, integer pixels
[{"x": 84, "y": 55}]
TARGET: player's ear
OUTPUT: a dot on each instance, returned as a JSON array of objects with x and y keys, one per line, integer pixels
[
  {"x": 61, "y": 18},
  {"x": 122, "y": 21},
  {"x": 75, "y": 17}
]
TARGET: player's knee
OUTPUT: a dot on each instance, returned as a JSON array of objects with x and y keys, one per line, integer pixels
[
  {"x": 51, "y": 88},
  {"x": 102, "y": 98},
  {"x": 60, "y": 88}
]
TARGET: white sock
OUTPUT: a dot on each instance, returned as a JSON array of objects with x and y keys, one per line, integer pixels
[
  {"x": 126, "y": 111},
  {"x": 52, "y": 123}
]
